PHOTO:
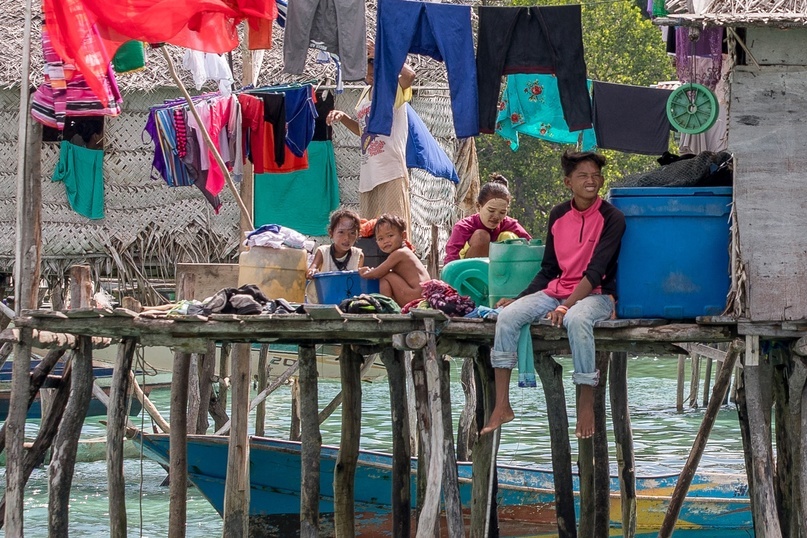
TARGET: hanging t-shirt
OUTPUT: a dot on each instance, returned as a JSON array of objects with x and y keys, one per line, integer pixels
[
  {"x": 81, "y": 171},
  {"x": 645, "y": 129},
  {"x": 383, "y": 158}
]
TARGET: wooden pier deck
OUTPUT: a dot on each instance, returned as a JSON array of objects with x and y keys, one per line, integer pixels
[{"x": 431, "y": 335}]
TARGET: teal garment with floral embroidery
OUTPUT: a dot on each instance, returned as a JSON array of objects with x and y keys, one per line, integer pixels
[{"x": 530, "y": 105}]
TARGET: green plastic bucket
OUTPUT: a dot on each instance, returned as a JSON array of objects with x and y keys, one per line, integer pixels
[{"x": 513, "y": 265}]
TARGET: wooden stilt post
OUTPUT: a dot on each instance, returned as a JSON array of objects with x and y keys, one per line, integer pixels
[
  {"x": 260, "y": 411},
  {"x": 679, "y": 390},
  {"x": 623, "y": 439},
  {"x": 116, "y": 429},
  {"x": 26, "y": 279},
  {"x": 47, "y": 432},
  {"x": 483, "y": 513},
  {"x": 707, "y": 380},
  {"x": 451, "y": 488},
  {"x": 688, "y": 472},
  {"x": 294, "y": 426},
  {"x": 178, "y": 439},
  {"x": 551, "y": 374},
  {"x": 429, "y": 521},
  {"x": 218, "y": 407},
  {"x": 467, "y": 432},
  {"x": 194, "y": 397},
  {"x": 411, "y": 402},
  {"x": 236, "y": 489},
  {"x": 585, "y": 470},
  {"x": 15, "y": 433},
  {"x": 424, "y": 441},
  {"x": 207, "y": 370},
  {"x": 602, "y": 476},
  {"x": 311, "y": 442},
  {"x": 766, "y": 518},
  {"x": 694, "y": 380},
  {"x": 346, "y": 460},
  {"x": 802, "y": 452},
  {"x": 788, "y": 384},
  {"x": 401, "y": 492},
  {"x": 63, "y": 459}
]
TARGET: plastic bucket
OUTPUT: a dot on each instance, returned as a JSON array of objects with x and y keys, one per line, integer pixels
[
  {"x": 335, "y": 286},
  {"x": 278, "y": 272},
  {"x": 513, "y": 265},
  {"x": 469, "y": 277}
]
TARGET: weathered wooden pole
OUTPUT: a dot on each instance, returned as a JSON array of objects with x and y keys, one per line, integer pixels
[
  {"x": 429, "y": 520},
  {"x": 34, "y": 456},
  {"x": 236, "y": 488},
  {"x": 348, "y": 456},
  {"x": 602, "y": 477},
  {"x": 688, "y": 472},
  {"x": 294, "y": 423},
  {"x": 207, "y": 371},
  {"x": 311, "y": 442},
  {"x": 260, "y": 411},
  {"x": 585, "y": 471},
  {"x": 679, "y": 389},
  {"x": 26, "y": 280},
  {"x": 483, "y": 513},
  {"x": 393, "y": 360},
  {"x": 218, "y": 406},
  {"x": 424, "y": 441},
  {"x": 148, "y": 405},
  {"x": 623, "y": 439},
  {"x": 451, "y": 489},
  {"x": 551, "y": 374},
  {"x": 467, "y": 431},
  {"x": 766, "y": 517},
  {"x": 694, "y": 380},
  {"x": 194, "y": 397},
  {"x": 707, "y": 380},
  {"x": 178, "y": 443},
  {"x": 65, "y": 446},
  {"x": 116, "y": 429}
]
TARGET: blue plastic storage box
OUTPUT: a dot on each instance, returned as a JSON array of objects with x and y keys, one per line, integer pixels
[
  {"x": 335, "y": 286},
  {"x": 674, "y": 261}
]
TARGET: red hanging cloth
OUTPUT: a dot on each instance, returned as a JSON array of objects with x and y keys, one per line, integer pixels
[{"x": 88, "y": 32}]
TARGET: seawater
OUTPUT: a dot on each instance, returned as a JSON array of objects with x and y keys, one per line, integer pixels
[{"x": 662, "y": 441}]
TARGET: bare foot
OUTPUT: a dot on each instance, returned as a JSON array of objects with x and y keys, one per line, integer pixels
[
  {"x": 585, "y": 412},
  {"x": 497, "y": 418}
]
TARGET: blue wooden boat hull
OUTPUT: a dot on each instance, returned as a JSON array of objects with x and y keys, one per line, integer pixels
[{"x": 717, "y": 502}]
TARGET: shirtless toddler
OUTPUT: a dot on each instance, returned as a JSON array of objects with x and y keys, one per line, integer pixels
[{"x": 401, "y": 274}]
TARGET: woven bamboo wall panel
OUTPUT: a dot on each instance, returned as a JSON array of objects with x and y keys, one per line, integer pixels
[
  {"x": 126, "y": 132},
  {"x": 127, "y": 167}
]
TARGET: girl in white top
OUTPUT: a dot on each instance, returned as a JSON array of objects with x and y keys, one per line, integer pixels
[{"x": 340, "y": 255}]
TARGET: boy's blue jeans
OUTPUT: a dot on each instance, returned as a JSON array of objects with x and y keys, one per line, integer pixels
[{"x": 579, "y": 324}]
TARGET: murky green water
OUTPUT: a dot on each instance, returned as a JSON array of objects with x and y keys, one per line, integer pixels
[{"x": 662, "y": 440}]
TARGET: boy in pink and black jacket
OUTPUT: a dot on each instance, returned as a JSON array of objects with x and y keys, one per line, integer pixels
[{"x": 574, "y": 288}]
